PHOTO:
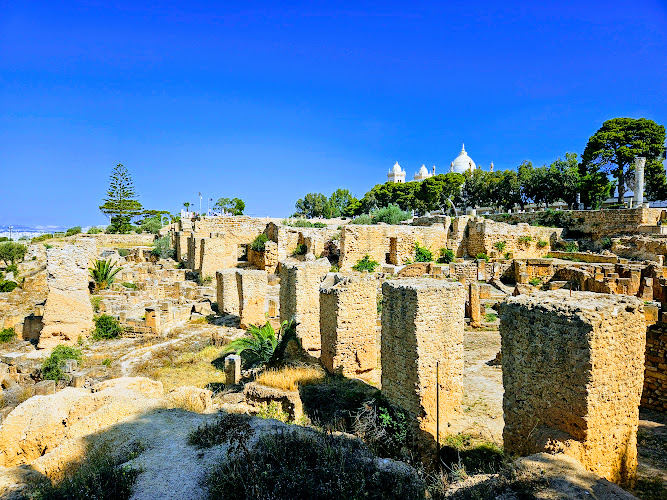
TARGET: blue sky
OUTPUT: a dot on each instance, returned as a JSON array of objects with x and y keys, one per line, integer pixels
[{"x": 270, "y": 100}]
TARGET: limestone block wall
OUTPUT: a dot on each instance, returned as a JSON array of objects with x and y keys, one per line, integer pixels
[
  {"x": 68, "y": 313},
  {"x": 484, "y": 233},
  {"x": 252, "y": 285},
  {"x": 573, "y": 369},
  {"x": 125, "y": 240},
  {"x": 655, "y": 374},
  {"x": 266, "y": 260},
  {"x": 422, "y": 323},
  {"x": 227, "y": 291},
  {"x": 596, "y": 223},
  {"x": 181, "y": 244},
  {"x": 641, "y": 247},
  {"x": 216, "y": 253},
  {"x": 374, "y": 240},
  {"x": 348, "y": 312},
  {"x": 300, "y": 299}
]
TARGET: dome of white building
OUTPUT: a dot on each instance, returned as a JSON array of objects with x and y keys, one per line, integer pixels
[
  {"x": 396, "y": 169},
  {"x": 396, "y": 174},
  {"x": 463, "y": 162},
  {"x": 423, "y": 171}
]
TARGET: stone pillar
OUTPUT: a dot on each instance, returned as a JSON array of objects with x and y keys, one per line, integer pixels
[
  {"x": 640, "y": 162},
  {"x": 252, "y": 287},
  {"x": 227, "y": 292},
  {"x": 422, "y": 323},
  {"x": 68, "y": 313},
  {"x": 573, "y": 370},
  {"x": 153, "y": 319},
  {"x": 300, "y": 299},
  {"x": 474, "y": 308},
  {"x": 232, "y": 369},
  {"x": 348, "y": 312}
]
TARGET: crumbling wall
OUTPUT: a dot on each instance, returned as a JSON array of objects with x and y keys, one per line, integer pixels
[
  {"x": 300, "y": 299},
  {"x": 348, "y": 312},
  {"x": 422, "y": 324},
  {"x": 655, "y": 374},
  {"x": 227, "y": 292},
  {"x": 573, "y": 368},
  {"x": 522, "y": 240},
  {"x": 252, "y": 285},
  {"x": 68, "y": 313},
  {"x": 216, "y": 253}
]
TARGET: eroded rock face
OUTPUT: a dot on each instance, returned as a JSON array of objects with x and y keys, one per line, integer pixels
[
  {"x": 68, "y": 313},
  {"x": 191, "y": 398},
  {"x": 43, "y": 423}
]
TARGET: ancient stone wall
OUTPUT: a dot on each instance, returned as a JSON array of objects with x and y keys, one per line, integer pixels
[
  {"x": 573, "y": 368},
  {"x": 252, "y": 285},
  {"x": 300, "y": 299},
  {"x": 356, "y": 241},
  {"x": 348, "y": 312},
  {"x": 122, "y": 240},
  {"x": 422, "y": 323},
  {"x": 641, "y": 248},
  {"x": 596, "y": 223},
  {"x": 227, "y": 292},
  {"x": 68, "y": 313},
  {"x": 216, "y": 253},
  {"x": 655, "y": 374},
  {"x": 521, "y": 240}
]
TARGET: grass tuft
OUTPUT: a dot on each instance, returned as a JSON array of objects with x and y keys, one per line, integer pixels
[{"x": 289, "y": 378}]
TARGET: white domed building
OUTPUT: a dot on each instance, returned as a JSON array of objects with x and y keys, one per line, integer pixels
[
  {"x": 396, "y": 174},
  {"x": 424, "y": 173},
  {"x": 462, "y": 163}
]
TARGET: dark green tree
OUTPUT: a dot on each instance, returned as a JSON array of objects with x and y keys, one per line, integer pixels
[
  {"x": 613, "y": 148},
  {"x": 234, "y": 206},
  {"x": 121, "y": 204},
  {"x": 312, "y": 205},
  {"x": 564, "y": 179},
  {"x": 339, "y": 201}
]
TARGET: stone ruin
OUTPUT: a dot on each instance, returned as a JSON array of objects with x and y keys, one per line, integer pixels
[{"x": 573, "y": 371}]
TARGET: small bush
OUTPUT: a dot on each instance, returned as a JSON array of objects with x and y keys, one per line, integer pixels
[
  {"x": 73, "y": 230},
  {"x": 571, "y": 246},
  {"x": 535, "y": 281},
  {"x": 334, "y": 268},
  {"x": 12, "y": 268},
  {"x": 605, "y": 243},
  {"x": 500, "y": 246},
  {"x": 106, "y": 327},
  {"x": 363, "y": 219},
  {"x": 366, "y": 264},
  {"x": 259, "y": 243},
  {"x": 264, "y": 346},
  {"x": 7, "y": 334},
  {"x": 7, "y": 286},
  {"x": 391, "y": 214},
  {"x": 473, "y": 453},
  {"x": 132, "y": 286},
  {"x": 298, "y": 465},
  {"x": 303, "y": 223},
  {"x": 482, "y": 256},
  {"x": 42, "y": 237},
  {"x": 446, "y": 256},
  {"x": 525, "y": 239},
  {"x": 103, "y": 273},
  {"x": 301, "y": 249},
  {"x": 319, "y": 225},
  {"x": 490, "y": 317},
  {"x": 273, "y": 410},
  {"x": 384, "y": 427},
  {"x": 94, "y": 230},
  {"x": 228, "y": 427},
  {"x": 95, "y": 302},
  {"x": 123, "y": 252},
  {"x": 52, "y": 366},
  {"x": 542, "y": 243},
  {"x": 422, "y": 254},
  {"x": 162, "y": 248}
]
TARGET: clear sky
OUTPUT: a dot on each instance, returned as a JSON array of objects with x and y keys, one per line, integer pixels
[{"x": 270, "y": 100}]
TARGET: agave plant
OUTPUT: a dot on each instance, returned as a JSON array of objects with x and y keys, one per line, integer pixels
[
  {"x": 103, "y": 273},
  {"x": 264, "y": 346}
]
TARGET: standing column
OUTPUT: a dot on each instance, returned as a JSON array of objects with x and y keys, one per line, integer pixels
[{"x": 640, "y": 162}]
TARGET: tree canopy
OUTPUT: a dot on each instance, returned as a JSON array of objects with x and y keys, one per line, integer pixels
[
  {"x": 234, "y": 206},
  {"x": 121, "y": 204},
  {"x": 613, "y": 148}
]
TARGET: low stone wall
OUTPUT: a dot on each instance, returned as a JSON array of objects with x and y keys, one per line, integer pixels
[
  {"x": 123, "y": 240},
  {"x": 573, "y": 369},
  {"x": 522, "y": 240},
  {"x": 654, "y": 396},
  {"x": 585, "y": 257},
  {"x": 595, "y": 223},
  {"x": 641, "y": 248}
]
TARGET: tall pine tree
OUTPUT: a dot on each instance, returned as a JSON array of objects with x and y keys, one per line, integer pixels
[{"x": 121, "y": 204}]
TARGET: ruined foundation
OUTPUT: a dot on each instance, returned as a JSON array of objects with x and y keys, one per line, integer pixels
[
  {"x": 300, "y": 299},
  {"x": 252, "y": 296},
  {"x": 348, "y": 311},
  {"x": 573, "y": 370},
  {"x": 227, "y": 292},
  {"x": 422, "y": 324}
]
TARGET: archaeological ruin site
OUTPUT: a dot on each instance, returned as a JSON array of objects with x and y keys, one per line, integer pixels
[{"x": 541, "y": 347}]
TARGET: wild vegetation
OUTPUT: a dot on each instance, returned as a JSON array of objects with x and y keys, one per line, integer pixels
[
  {"x": 366, "y": 264},
  {"x": 53, "y": 365}
]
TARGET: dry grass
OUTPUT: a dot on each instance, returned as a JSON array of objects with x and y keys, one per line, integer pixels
[
  {"x": 290, "y": 378},
  {"x": 176, "y": 369}
]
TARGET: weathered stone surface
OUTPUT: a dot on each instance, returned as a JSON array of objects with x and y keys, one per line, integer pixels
[
  {"x": 572, "y": 371},
  {"x": 348, "y": 312},
  {"x": 45, "y": 388},
  {"x": 191, "y": 398},
  {"x": 68, "y": 314},
  {"x": 290, "y": 401},
  {"x": 252, "y": 287},
  {"x": 143, "y": 385},
  {"x": 422, "y": 324},
  {"x": 300, "y": 299},
  {"x": 232, "y": 369},
  {"x": 227, "y": 291}
]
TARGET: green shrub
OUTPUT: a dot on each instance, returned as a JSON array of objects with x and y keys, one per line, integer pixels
[
  {"x": 500, "y": 246},
  {"x": 363, "y": 219},
  {"x": 94, "y": 230},
  {"x": 132, "y": 286},
  {"x": 482, "y": 256},
  {"x": 12, "y": 268},
  {"x": 525, "y": 239},
  {"x": 8, "y": 286},
  {"x": 384, "y": 427},
  {"x": 571, "y": 246},
  {"x": 151, "y": 225},
  {"x": 259, "y": 243},
  {"x": 273, "y": 410},
  {"x": 490, "y": 317},
  {"x": 605, "y": 243},
  {"x": 42, "y": 237},
  {"x": 228, "y": 427},
  {"x": 535, "y": 281},
  {"x": 52, "y": 366},
  {"x": 298, "y": 465},
  {"x": 7, "y": 334},
  {"x": 264, "y": 346},
  {"x": 95, "y": 302},
  {"x": 542, "y": 243},
  {"x": 301, "y": 249},
  {"x": 422, "y": 254},
  {"x": 106, "y": 327},
  {"x": 162, "y": 248},
  {"x": 391, "y": 214},
  {"x": 123, "y": 252},
  {"x": 103, "y": 273},
  {"x": 319, "y": 225},
  {"x": 73, "y": 230},
  {"x": 473, "y": 453},
  {"x": 366, "y": 264},
  {"x": 334, "y": 268},
  {"x": 446, "y": 256},
  {"x": 12, "y": 252}
]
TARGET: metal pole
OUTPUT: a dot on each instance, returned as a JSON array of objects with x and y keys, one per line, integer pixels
[{"x": 437, "y": 412}]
